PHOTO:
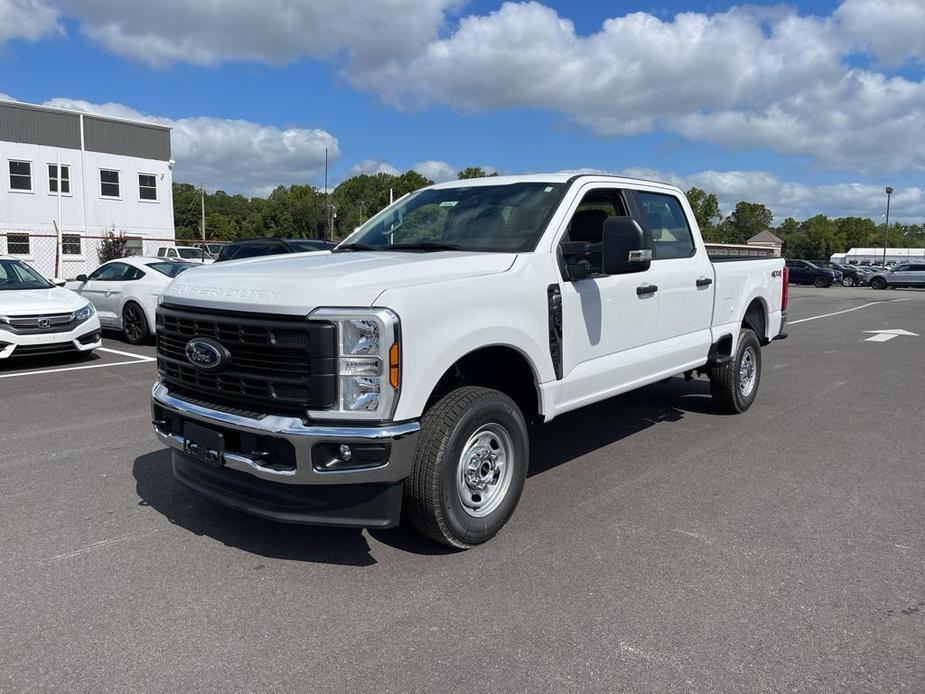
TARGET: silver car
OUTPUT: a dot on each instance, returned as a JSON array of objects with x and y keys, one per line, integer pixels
[{"x": 905, "y": 275}]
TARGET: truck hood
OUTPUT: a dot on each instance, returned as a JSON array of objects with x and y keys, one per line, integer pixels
[
  {"x": 301, "y": 282},
  {"x": 29, "y": 302}
]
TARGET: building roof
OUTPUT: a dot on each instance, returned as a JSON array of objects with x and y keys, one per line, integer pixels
[
  {"x": 78, "y": 112},
  {"x": 765, "y": 236}
]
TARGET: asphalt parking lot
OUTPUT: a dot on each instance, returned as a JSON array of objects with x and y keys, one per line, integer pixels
[{"x": 659, "y": 546}]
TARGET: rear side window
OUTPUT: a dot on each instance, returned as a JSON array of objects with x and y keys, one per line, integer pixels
[
  {"x": 170, "y": 269},
  {"x": 664, "y": 217}
]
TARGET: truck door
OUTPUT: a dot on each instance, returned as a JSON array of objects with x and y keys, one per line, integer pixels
[
  {"x": 684, "y": 275},
  {"x": 608, "y": 324}
]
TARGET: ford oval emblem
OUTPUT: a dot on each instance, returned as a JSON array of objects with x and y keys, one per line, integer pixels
[{"x": 206, "y": 354}]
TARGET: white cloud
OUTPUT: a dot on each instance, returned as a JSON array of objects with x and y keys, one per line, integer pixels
[
  {"x": 26, "y": 19},
  {"x": 436, "y": 171},
  {"x": 893, "y": 30},
  {"x": 236, "y": 155},
  {"x": 272, "y": 31},
  {"x": 749, "y": 77},
  {"x": 373, "y": 166}
]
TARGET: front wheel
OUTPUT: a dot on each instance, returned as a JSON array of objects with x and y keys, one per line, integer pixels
[
  {"x": 469, "y": 468},
  {"x": 134, "y": 324},
  {"x": 734, "y": 384},
  {"x": 878, "y": 283},
  {"x": 849, "y": 282},
  {"x": 820, "y": 282}
]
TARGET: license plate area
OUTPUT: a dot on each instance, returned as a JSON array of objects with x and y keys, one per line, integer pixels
[{"x": 204, "y": 444}]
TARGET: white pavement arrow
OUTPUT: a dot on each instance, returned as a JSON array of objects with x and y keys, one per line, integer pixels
[{"x": 886, "y": 335}]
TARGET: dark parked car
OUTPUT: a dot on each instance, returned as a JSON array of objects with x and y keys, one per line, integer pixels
[
  {"x": 850, "y": 275},
  {"x": 805, "y": 272},
  {"x": 905, "y": 275},
  {"x": 251, "y": 248}
]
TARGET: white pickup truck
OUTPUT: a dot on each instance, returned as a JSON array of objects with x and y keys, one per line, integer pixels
[{"x": 400, "y": 371}]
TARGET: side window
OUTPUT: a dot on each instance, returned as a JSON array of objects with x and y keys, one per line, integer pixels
[
  {"x": 664, "y": 217},
  {"x": 587, "y": 223},
  {"x": 132, "y": 273},
  {"x": 110, "y": 273}
]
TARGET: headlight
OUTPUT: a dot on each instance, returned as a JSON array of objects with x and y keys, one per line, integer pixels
[
  {"x": 82, "y": 314},
  {"x": 368, "y": 368}
]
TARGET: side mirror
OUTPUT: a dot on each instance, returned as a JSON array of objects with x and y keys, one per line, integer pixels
[
  {"x": 625, "y": 247},
  {"x": 58, "y": 282},
  {"x": 81, "y": 278}
]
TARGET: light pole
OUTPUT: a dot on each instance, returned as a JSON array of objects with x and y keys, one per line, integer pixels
[{"x": 886, "y": 228}]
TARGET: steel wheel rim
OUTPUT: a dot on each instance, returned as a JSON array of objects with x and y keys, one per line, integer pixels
[
  {"x": 748, "y": 370},
  {"x": 485, "y": 470},
  {"x": 132, "y": 323}
]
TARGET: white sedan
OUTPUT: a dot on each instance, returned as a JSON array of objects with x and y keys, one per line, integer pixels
[
  {"x": 38, "y": 318},
  {"x": 125, "y": 292}
]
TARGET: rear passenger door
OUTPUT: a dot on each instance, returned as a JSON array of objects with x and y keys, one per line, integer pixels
[{"x": 684, "y": 276}]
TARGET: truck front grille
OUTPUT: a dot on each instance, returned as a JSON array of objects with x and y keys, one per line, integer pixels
[{"x": 278, "y": 365}]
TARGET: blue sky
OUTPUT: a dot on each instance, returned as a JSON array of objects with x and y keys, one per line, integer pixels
[{"x": 738, "y": 137}]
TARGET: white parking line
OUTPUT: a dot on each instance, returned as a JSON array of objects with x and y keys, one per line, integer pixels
[
  {"x": 75, "y": 368},
  {"x": 847, "y": 310},
  {"x": 140, "y": 357}
]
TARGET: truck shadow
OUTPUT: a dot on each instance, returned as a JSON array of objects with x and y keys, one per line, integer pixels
[{"x": 565, "y": 439}]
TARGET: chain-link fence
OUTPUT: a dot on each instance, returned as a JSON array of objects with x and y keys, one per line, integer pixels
[{"x": 77, "y": 253}]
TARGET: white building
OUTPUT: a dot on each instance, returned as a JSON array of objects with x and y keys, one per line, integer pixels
[
  {"x": 874, "y": 256},
  {"x": 115, "y": 175}
]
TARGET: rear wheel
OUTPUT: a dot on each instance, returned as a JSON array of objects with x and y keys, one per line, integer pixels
[
  {"x": 820, "y": 281},
  {"x": 134, "y": 324},
  {"x": 470, "y": 466},
  {"x": 734, "y": 384},
  {"x": 878, "y": 283}
]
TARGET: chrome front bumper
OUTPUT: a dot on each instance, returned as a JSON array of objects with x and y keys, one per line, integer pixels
[{"x": 401, "y": 437}]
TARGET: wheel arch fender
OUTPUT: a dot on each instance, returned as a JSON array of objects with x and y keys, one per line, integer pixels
[{"x": 501, "y": 359}]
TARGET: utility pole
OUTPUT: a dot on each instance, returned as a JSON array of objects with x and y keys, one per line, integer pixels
[
  {"x": 59, "y": 224},
  {"x": 202, "y": 223},
  {"x": 886, "y": 227},
  {"x": 327, "y": 217}
]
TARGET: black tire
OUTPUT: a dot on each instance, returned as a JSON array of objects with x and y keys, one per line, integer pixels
[
  {"x": 878, "y": 283},
  {"x": 433, "y": 502},
  {"x": 849, "y": 281},
  {"x": 134, "y": 324},
  {"x": 820, "y": 282},
  {"x": 726, "y": 379}
]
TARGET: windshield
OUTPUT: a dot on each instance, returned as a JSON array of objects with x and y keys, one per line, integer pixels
[
  {"x": 189, "y": 252},
  {"x": 170, "y": 269},
  {"x": 17, "y": 275},
  {"x": 499, "y": 218}
]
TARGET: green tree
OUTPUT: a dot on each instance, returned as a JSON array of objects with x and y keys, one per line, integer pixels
[
  {"x": 474, "y": 172},
  {"x": 705, "y": 206},
  {"x": 746, "y": 220}
]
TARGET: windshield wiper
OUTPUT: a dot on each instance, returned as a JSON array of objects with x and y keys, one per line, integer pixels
[
  {"x": 356, "y": 247},
  {"x": 424, "y": 246}
]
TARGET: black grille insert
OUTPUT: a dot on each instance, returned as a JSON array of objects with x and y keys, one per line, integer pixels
[{"x": 279, "y": 364}]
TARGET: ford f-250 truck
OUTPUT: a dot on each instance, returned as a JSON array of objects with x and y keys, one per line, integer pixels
[{"x": 399, "y": 371}]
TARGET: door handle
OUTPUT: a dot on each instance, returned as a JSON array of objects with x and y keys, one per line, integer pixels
[
  {"x": 646, "y": 289},
  {"x": 704, "y": 282}
]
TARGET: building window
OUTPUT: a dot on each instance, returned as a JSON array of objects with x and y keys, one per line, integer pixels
[
  {"x": 65, "y": 179},
  {"x": 109, "y": 183},
  {"x": 20, "y": 175},
  {"x": 134, "y": 247},
  {"x": 147, "y": 187},
  {"x": 17, "y": 244},
  {"x": 70, "y": 244}
]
